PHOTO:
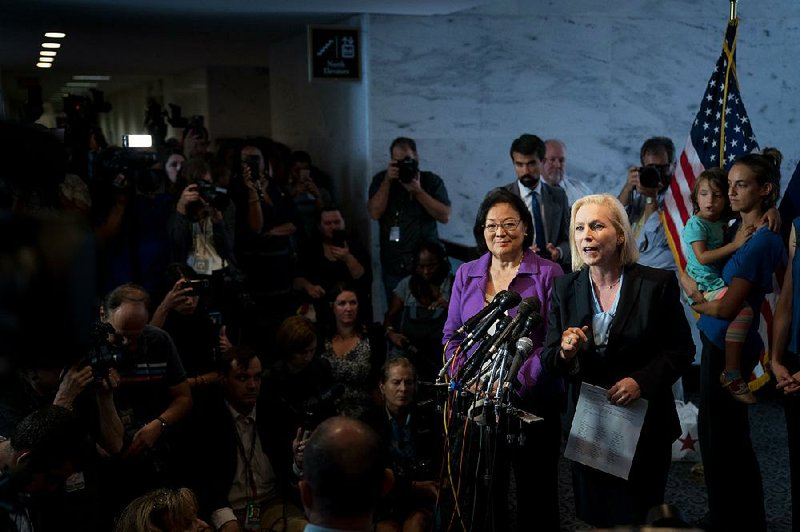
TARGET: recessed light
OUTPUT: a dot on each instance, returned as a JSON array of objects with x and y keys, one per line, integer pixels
[
  {"x": 46, "y": 59},
  {"x": 47, "y": 53},
  {"x": 55, "y": 35},
  {"x": 51, "y": 45},
  {"x": 44, "y": 65},
  {"x": 91, "y": 78}
]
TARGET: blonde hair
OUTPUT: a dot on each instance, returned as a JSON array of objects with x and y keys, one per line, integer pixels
[
  {"x": 628, "y": 252},
  {"x": 161, "y": 510}
]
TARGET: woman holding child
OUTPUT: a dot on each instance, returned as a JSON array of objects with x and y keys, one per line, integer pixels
[{"x": 733, "y": 479}]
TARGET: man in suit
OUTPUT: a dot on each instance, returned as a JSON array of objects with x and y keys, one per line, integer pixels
[
  {"x": 245, "y": 453},
  {"x": 554, "y": 171},
  {"x": 548, "y": 204}
]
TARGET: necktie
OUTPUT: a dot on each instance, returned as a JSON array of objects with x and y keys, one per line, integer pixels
[{"x": 538, "y": 225}]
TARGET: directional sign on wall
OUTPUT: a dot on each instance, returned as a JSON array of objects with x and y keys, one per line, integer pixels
[{"x": 334, "y": 52}]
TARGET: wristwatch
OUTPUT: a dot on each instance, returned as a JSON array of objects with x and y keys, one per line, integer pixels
[
  {"x": 648, "y": 200},
  {"x": 163, "y": 422}
]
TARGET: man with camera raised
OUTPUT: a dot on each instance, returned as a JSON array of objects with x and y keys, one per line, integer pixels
[
  {"x": 407, "y": 204},
  {"x": 643, "y": 198}
]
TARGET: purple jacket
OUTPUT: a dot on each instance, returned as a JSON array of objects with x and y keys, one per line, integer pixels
[{"x": 534, "y": 278}]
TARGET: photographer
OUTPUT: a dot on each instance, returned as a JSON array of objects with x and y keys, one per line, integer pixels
[
  {"x": 131, "y": 211},
  {"x": 331, "y": 258},
  {"x": 198, "y": 336},
  {"x": 153, "y": 394},
  {"x": 643, "y": 198},
  {"x": 309, "y": 197},
  {"x": 407, "y": 204},
  {"x": 202, "y": 228},
  {"x": 265, "y": 227}
]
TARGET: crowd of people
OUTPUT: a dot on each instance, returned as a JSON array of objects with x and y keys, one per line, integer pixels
[{"x": 235, "y": 323}]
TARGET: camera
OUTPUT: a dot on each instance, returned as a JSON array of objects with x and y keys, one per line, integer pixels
[
  {"x": 216, "y": 197},
  {"x": 338, "y": 238},
  {"x": 103, "y": 353},
  {"x": 407, "y": 169},
  {"x": 197, "y": 286},
  {"x": 252, "y": 162},
  {"x": 650, "y": 176}
]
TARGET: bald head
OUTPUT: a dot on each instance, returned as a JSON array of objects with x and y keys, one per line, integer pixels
[
  {"x": 555, "y": 161},
  {"x": 344, "y": 466}
]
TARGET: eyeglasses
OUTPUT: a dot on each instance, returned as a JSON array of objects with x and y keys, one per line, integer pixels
[{"x": 509, "y": 226}]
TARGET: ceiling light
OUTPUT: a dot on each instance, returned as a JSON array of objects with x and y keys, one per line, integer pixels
[
  {"x": 91, "y": 78},
  {"x": 46, "y": 59},
  {"x": 47, "y": 53},
  {"x": 44, "y": 65},
  {"x": 81, "y": 84},
  {"x": 55, "y": 35},
  {"x": 51, "y": 45}
]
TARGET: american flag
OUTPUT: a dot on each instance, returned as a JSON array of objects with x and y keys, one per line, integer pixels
[{"x": 720, "y": 133}]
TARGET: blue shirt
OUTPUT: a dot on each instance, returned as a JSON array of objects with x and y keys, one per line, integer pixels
[
  {"x": 708, "y": 276},
  {"x": 651, "y": 239},
  {"x": 754, "y": 262}
]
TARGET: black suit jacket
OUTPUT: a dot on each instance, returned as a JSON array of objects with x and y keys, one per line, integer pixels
[
  {"x": 649, "y": 341},
  {"x": 215, "y": 449},
  {"x": 556, "y": 219}
]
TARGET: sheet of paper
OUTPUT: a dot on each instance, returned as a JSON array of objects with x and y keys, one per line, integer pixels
[{"x": 603, "y": 435}]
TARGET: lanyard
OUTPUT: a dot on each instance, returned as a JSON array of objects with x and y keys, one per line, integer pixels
[{"x": 248, "y": 460}]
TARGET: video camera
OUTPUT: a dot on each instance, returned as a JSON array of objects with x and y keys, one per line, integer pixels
[{"x": 131, "y": 168}]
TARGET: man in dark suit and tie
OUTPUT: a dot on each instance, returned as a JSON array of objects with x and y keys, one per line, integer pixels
[{"x": 548, "y": 204}]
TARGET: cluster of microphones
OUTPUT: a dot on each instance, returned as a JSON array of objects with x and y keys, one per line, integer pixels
[{"x": 503, "y": 343}]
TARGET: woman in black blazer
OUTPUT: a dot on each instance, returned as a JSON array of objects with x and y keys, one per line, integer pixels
[{"x": 619, "y": 325}]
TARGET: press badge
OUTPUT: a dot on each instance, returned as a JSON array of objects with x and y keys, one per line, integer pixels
[
  {"x": 202, "y": 266},
  {"x": 74, "y": 482},
  {"x": 252, "y": 516},
  {"x": 394, "y": 233}
]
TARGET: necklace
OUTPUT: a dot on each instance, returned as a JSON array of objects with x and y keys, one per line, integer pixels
[{"x": 615, "y": 283}]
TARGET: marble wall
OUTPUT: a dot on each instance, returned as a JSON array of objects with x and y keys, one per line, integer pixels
[{"x": 600, "y": 77}]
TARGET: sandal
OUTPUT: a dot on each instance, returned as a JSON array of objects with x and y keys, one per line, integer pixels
[{"x": 738, "y": 389}]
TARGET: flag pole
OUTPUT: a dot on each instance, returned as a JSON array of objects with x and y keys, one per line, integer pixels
[{"x": 732, "y": 16}]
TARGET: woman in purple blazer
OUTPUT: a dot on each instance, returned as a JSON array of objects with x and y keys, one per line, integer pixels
[{"x": 504, "y": 233}]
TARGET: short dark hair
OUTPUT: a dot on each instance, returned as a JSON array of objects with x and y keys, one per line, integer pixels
[
  {"x": 404, "y": 142},
  {"x": 495, "y": 197},
  {"x": 54, "y": 436},
  {"x": 128, "y": 292},
  {"x": 528, "y": 144},
  {"x": 345, "y": 474},
  {"x": 656, "y": 144},
  {"x": 419, "y": 287},
  {"x": 240, "y": 354}
]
